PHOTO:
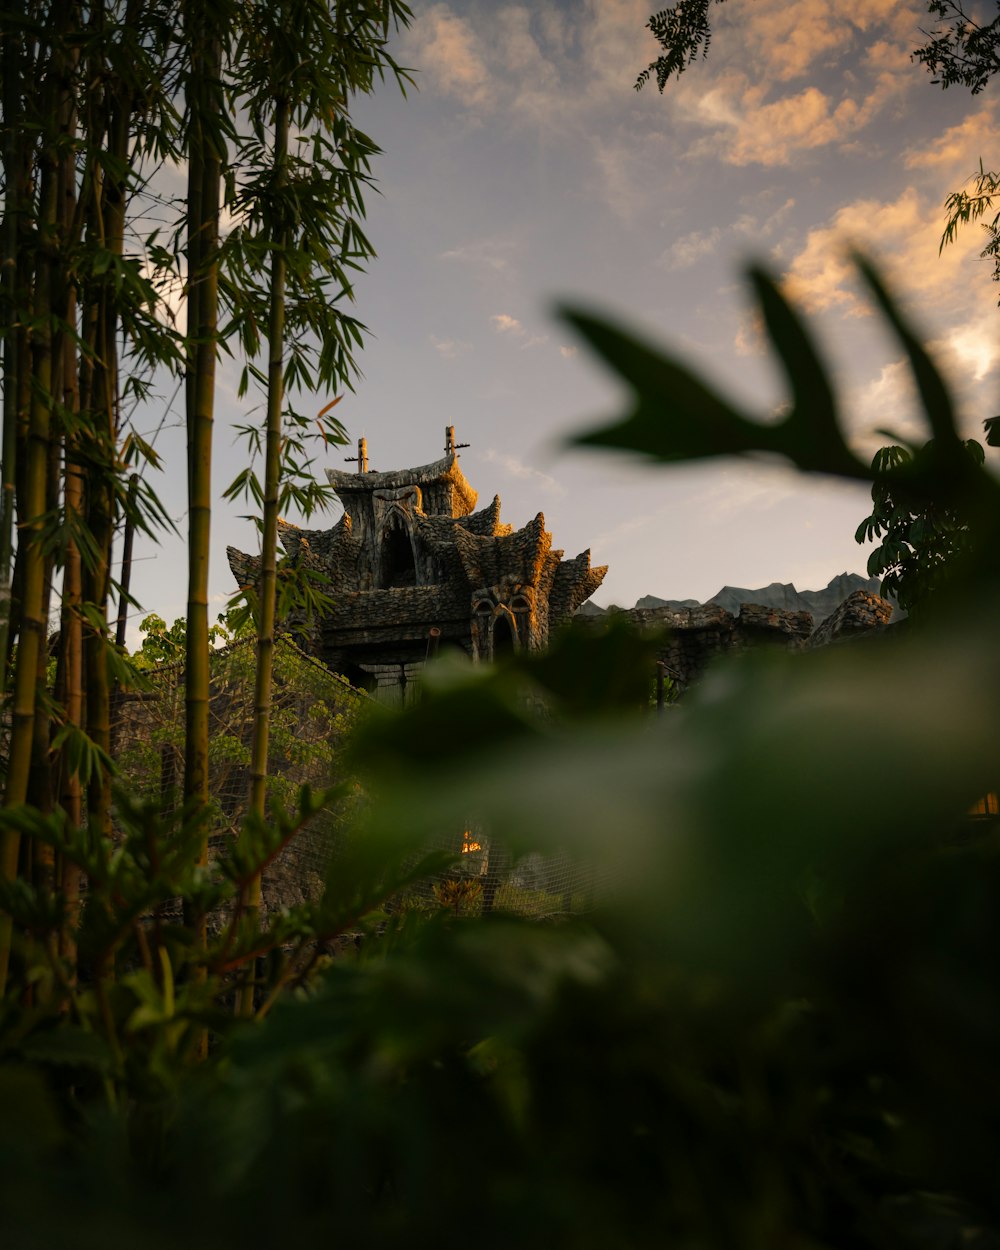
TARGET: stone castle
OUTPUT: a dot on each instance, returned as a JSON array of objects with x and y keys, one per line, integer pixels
[{"x": 412, "y": 568}]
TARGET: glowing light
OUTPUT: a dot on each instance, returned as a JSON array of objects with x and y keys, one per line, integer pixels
[{"x": 989, "y": 805}]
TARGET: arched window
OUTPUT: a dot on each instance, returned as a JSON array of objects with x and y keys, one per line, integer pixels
[
  {"x": 503, "y": 636},
  {"x": 397, "y": 564},
  {"x": 482, "y": 619}
]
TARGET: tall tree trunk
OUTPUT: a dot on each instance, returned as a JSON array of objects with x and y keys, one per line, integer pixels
[
  {"x": 62, "y": 70},
  {"x": 204, "y": 192},
  {"x": 267, "y": 588},
  {"x": 13, "y": 165},
  {"x": 69, "y": 685},
  {"x": 69, "y": 669},
  {"x": 31, "y": 511},
  {"x": 128, "y": 543},
  {"x": 109, "y": 232}
]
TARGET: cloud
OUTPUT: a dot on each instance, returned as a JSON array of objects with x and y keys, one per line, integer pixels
[
  {"x": 749, "y": 340},
  {"x": 512, "y": 57},
  {"x": 451, "y": 55},
  {"x": 628, "y": 528},
  {"x": 967, "y": 355},
  {"x": 503, "y": 323},
  {"x": 762, "y": 226},
  {"x": 526, "y": 472},
  {"x": 950, "y": 285},
  {"x": 622, "y": 171},
  {"x": 690, "y": 248},
  {"x": 774, "y": 132},
  {"x": 615, "y": 44},
  {"x": 448, "y": 349},
  {"x": 750, "y": 95},
  {"x": 972, "y": 349},
  {"x": 540, "y": 68},
  {"x": 539, "y": 93},
  {"x": 694, "y": 246},
  {"x": 750, "y": 487},
  {"x": 489, "y": 254},
  {"x": 533, "y": 62},
  {"x": 957, "y": 149},
  {"x": 789, "y": 41},
  {"x": 886, "y": 402},
  {"x": 904, "y": 233}
]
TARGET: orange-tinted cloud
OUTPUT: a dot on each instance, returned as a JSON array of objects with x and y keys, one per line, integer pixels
[
  {"x": 751, "y": 93},
  {"x": 449, "y": 52},
  {"x": 960, "y": 146},
  {"x": 787, "y": 41},
  {"x": 949, "y": 296}
]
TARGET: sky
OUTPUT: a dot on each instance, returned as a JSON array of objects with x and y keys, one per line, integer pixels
[{"x": 524, "y": 173}]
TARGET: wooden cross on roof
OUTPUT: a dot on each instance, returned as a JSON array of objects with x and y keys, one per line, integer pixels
[
  {"x": 450, "y": 446},
  {"x": 361, "y": 459}
]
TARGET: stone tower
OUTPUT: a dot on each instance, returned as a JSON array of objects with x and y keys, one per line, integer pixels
[{"x": 412, "y": 567}]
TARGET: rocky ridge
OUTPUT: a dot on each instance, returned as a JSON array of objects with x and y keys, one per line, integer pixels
[
  {"x": 781, "y": 596},
  {"x": 692, "y": 634}
]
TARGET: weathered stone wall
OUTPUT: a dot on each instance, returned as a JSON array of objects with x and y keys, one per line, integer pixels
[
  {"x": 697, "y": 635},
  {"x": 859, "y": 615}
]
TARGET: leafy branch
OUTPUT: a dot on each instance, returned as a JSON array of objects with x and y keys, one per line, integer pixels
[
  {"x": 962, "y": 52},
  {"x": 964, "y": 207},
  {"x": 684, "y": 33}
]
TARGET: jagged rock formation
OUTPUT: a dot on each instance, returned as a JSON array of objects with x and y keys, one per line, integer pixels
[
  {"x": 410, "y": 555},
  {"x": 861, "y": 614},
  {"x": 782, "y": 595},
  {"x": 696, "y": 633}
]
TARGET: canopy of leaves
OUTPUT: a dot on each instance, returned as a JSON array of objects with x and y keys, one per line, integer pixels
[
  {"x": 684, "y": 33},
  {"x": 960, "y": 50},
  {"x": 924, "y": 542}
]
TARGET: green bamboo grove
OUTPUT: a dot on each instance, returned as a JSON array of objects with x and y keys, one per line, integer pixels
[{"x": 96, "y": 99}]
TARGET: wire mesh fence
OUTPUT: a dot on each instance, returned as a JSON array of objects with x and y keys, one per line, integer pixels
[{"x": 312, "y": 713}]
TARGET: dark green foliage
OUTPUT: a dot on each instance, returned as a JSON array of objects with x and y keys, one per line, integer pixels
[
  {"x": 684, "y": 33},
  {"x": 961, "y": 50},
  {"x": 312, "y": 713},
  {"x": 777, "y": 1028},
  {"x": 925, "y": 541}
]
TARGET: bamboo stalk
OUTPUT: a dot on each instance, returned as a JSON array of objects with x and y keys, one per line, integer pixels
[
  {"x": 203, "y": 225},
  {"x": 10, "y": 66},
  {"x": 126, "y": 574},
  {"x": 70, "y": 685},
  {"x": 110, "y": 201},
  {"x": 108, "y": 226},
  {"x": 31, "y": 510},
  {"x": 204, "y": 194},
  {"x": 267, "y": 589},
  {"x": 69, "y": 669}
]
